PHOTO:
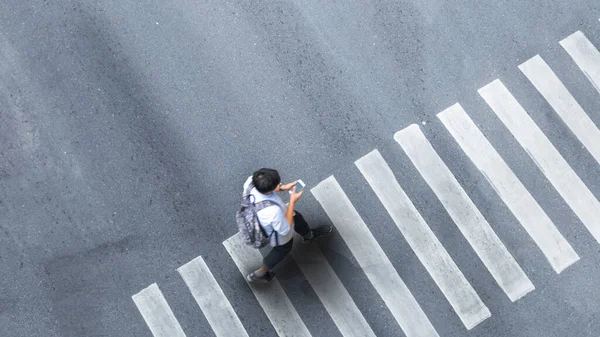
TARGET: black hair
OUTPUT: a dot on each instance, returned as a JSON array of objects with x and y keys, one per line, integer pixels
[{"x": 266, "y": 180}]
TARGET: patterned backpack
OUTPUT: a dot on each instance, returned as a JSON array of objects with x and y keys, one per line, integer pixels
[{"x": 247, "y": 220}]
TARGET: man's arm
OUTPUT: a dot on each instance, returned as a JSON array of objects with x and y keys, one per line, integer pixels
[{"x": 289, "y": 215}]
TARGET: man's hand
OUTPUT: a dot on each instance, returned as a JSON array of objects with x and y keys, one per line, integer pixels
[
  {"x": 295, "y": 196},
  {"x": 287, "y": 187}
]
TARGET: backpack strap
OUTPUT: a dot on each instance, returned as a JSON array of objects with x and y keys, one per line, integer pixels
[
  {"x": 248, "y": 190},
  {"x": 262, "y": 205},
  {"x": 258, "y": 206}
]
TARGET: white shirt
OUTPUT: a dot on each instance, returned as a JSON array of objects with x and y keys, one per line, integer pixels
[{"x": 272, "y": 218}]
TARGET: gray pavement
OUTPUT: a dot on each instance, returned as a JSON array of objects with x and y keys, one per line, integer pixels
[{"x": 127, "y": 129}]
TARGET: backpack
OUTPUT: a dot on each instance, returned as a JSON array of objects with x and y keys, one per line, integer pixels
[{"x": 247, "y": 221}]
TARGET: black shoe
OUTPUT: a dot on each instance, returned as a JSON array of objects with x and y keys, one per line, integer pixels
[
  {"x": 266, "y": 278},
  {"x": 318, "y": 232}
]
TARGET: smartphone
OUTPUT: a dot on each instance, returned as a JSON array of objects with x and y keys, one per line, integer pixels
[{"x": 299, "y": 186}]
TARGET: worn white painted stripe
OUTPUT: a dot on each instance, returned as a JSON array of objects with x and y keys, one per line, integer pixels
[
  {"x": 538, "y": 225},
  {"x": 156, "y": 312},
  {"x": 369, "y": 255},
  {"x": 565, "y": 105},
  {"x": 331, "y": 292},
  {"x": 585, "y": 55},
  {"x": 544, "y": 154},
  {"x": 475, "y": 228},
  {"x": 210, "y": 297},
  {"x": 271, "y": 297},
  {"x": 451, "y": 281}
]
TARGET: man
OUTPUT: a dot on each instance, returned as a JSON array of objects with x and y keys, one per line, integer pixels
[{"x": 278, "y": 220}]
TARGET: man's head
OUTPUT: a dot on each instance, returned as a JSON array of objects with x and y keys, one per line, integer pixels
[{"x": 266, "y": 180}]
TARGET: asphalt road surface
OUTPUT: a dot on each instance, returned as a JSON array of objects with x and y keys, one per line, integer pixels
[{"x": 128, "y": 127}]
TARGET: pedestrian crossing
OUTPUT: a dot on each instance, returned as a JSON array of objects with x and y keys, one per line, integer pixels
[
  {"x": 538, "y": 225},
  {"x": 210, "y": 297},
  {"x": 561, "y": 100},
  {"x": 585, "y": 55},
  {"x": 471, "y": 223},
  {"x": 544, "y": 154},
  {"x": 272, "y": 299},
  {"x": 157, "y": 313},
  {"x": 371, "y": 257},
  {"x": 332, "y": 293},
  {"x": 468, "y": 305}
]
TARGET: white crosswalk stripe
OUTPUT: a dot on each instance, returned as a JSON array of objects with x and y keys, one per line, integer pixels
[
  {"x": 501, "y": 264},
  {"x": 157, "y": 313},
  {"x": 459, "y": 292},
  {"x": 538, "y": 225},
  {"x": 272, "y": 298},
  {"x": 544, "y": 154},
  {"x": 372, "y": 259},
  {"x": 585, "y": 55},
  {"x": 330, "y": 290},
  {"x": 211, "y": 299},
  {"x": 565, "y": 105}
]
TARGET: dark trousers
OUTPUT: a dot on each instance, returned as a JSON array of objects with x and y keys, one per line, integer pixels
[{"x": 279, "y": 252}]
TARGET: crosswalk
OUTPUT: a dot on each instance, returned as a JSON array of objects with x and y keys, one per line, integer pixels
[
  {"x": 544, "y": 154},
  {"x": 206, "y": 291},
  {"x": 371, "y": 257},
  {"x": 538, "y": 225},
  {"x": 157, "y": 313},
  {"x": 272, "y": 299},
  {"x": 459, "y": 292},
  {"x": 471, "y": 223},
  {"x": 332, "y": 293}
]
